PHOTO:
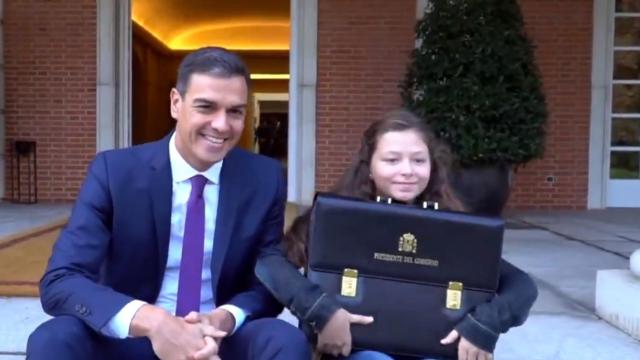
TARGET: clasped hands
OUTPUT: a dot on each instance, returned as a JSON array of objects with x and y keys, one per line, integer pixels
[
  {"x": 335, "y": 337},
  {"x": 197, "y": 336}
]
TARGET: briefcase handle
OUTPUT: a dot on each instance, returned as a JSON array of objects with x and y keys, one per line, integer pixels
[{"x": 433, "y": 205}]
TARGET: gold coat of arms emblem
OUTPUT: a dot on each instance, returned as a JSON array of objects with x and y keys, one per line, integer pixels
[{"x": 408, "y": 243}]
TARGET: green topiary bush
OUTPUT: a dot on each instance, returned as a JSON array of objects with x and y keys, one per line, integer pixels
[{"x": 473, "y": 76}]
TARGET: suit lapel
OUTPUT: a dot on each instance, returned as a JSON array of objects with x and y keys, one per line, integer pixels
[
  {"x": 160, "y": 191},
  {"x": 230, "y": 191}
]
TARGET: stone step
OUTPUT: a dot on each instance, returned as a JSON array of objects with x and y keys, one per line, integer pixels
[
  {"x": 617, "y": 294},
  {"x": 20, "y": 317}
]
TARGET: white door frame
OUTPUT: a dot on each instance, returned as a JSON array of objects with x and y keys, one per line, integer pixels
[
  {"x": 113, "y": 123},
  {"x": 599, "y": 192},
  {"x": 619, "y": 191},
  {"x": 599, "y": 127}
]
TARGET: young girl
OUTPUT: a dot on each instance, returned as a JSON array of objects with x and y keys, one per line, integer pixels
[{"x": 400, "y": 158}]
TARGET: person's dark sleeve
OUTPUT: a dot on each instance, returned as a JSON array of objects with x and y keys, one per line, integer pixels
[
  {"x": 509, "y": 308},
  {"x": 70, "y": 283},
  {"x": 256, "y": 301},
  {"x": 305, "y": 299}
]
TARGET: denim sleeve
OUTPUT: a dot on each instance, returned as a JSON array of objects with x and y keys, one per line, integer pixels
[
  {"x": 509, "y": 308},
  {"x": 287, "y": 284}
]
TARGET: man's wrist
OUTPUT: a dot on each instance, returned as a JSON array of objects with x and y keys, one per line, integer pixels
[
  {"x": 224, "y": 320},
  {"x": 146, "y": 320}
]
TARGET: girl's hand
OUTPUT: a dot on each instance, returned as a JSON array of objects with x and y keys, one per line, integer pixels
[
  {"x": 335, "y": 337},
  {"x": 466, "y": 350}
]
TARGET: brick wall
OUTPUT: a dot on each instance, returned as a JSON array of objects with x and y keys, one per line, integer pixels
[
  {"x": 562, "y": 32},
  {"x": 361, "y": 59},
  {"x": 363, "y": 51},
  {"x": 50, "y": 89}
]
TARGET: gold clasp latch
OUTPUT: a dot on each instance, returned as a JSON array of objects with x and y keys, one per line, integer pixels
[
  {"x": 454, "y": 295},
  {"x": 349, "y": 282}
]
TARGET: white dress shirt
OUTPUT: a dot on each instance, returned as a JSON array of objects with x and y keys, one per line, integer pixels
[{"x": 182, "y": 172}]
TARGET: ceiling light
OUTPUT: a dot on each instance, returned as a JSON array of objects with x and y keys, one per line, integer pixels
[{"x": 270, "y": 76}]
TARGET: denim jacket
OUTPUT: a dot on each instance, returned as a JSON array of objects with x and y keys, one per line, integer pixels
[{"x": 288, "y": 285}]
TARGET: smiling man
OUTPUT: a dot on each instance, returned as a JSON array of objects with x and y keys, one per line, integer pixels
[{"x": 158, "y": 258}]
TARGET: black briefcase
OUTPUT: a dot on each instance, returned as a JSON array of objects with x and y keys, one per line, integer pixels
[{"x": 416, "y": 271}]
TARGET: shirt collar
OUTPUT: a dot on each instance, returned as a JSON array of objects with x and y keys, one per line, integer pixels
[{"x": 181, "y": 170}]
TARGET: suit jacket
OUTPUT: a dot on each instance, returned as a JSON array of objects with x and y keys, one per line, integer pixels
[{"x": 114, "y": 248}]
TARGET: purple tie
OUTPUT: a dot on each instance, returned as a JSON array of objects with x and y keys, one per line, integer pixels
[{"x": 190, "y": 281}]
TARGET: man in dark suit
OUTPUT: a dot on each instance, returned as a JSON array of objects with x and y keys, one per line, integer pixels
[{"x": 158, "y": 257}]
